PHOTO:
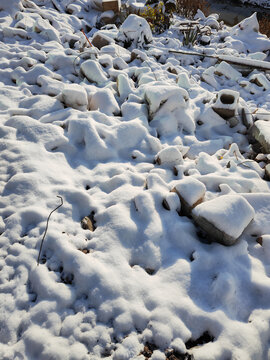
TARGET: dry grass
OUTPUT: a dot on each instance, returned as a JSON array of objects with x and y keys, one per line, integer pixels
[
  {"x": 188, "y": 8},
  {"x": 264, "y": 23}
]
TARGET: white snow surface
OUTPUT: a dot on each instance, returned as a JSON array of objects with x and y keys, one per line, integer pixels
[{"x": 88, "y": 125}]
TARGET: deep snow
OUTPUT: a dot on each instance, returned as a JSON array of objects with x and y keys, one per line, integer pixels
[{"x": 113, "y": 133}]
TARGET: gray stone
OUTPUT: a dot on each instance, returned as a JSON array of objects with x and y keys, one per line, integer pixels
[
  {"x": 261, "y": 132},
  {"x": 99, "y": 40},
  {"x": 267, "y": 172}
]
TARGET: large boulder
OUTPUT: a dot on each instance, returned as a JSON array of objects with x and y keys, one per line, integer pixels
[{"x": 224, "y": 218}]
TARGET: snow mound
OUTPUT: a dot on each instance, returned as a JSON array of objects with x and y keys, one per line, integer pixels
[{"x": 135, "y": 30}]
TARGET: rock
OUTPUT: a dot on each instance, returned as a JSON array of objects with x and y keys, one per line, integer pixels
[
  {"x": 261, "y": 132},
  {"x": 93, "y": 72},
  {"x": 104, "y": 101},
  {"x": 224, "y": 218},
  {"x": 138, "y": 54},
  {"x": 267, "y": 172},
  {"x": 170, "y": 6},
  {"x": 75, "y": 96},
  {"x": 226, "y": 103},
  {"x": 212, "y": 22},
  {"x": 191, "y": 193},
  {"x": 88, "y": 222},
  {"x": 158, "y": 95},
  {"x": 99, "y": 40},
  {"x": 107, "y": 17},
  {"x": 135, "y": 30},
  {"x": 170, "y": 155},
  {"x": 172, "y": 202},
  {"x": 246, "y": 117},
  {"x": 205, "y": 40}
]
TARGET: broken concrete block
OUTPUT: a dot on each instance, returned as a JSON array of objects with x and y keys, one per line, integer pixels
[
  {"x": 226, "y": 103},
  {"x": 228, "y": 71},
  {"x": 224, "y": 218},
  {"x": 191, "y": 193},
  {"x": 261, "y": 132},
  {"x": 260, "y": 80}
]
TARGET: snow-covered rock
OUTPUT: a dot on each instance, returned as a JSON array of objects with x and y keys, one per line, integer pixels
[
  {"x": 172, "y": 202},
  {"x": 170, "y": 155},
  {"x": 75, "y": 96},
  {"x": 224, "y": 218},
  {"x": 11, "y": 7},
  {"x": 125, "y": 86},
  {"x": 158, "y": 95},
  {"x": 191, "y": 193},
  {"x": 135, "y": 30},
  {"x": 93, "y": 72},
  {"x": 261, "y": 131},
  {"x": 104, "y": 101},
  {"x": 267, "y": 172},
  {"x": 100, "y": 39}
]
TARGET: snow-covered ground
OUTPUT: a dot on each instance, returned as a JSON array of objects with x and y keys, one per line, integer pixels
[{"x": 132, "y": 140}]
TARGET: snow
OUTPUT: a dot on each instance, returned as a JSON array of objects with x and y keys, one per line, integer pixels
[{"x": 127, "y": 136}]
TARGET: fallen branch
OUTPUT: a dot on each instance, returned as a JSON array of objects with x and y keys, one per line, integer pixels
[
  {"x": 86, "y": 38},
  {"x": 45, "y": 232},
  {"x": 256, "y": 64}
]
